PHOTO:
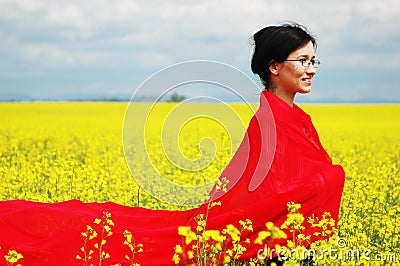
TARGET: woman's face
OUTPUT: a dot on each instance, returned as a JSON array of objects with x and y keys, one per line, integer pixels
[{"x": 292, "y": 76}]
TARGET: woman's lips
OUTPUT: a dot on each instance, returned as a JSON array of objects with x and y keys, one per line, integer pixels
[{"x": 307, "y": 80}]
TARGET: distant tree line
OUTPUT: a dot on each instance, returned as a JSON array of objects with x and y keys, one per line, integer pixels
[{"x": 176, "y": 98}]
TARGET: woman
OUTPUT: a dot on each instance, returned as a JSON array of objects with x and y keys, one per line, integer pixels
[
  {"x": 279, "y": 160},
  {"x": 282, "y": 150}
]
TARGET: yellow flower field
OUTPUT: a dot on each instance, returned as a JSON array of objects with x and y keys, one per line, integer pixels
[{"x": 53, "y": 152}]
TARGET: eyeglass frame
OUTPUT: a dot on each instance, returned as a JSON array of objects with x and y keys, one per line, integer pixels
[{"x": 310, "y": 61}]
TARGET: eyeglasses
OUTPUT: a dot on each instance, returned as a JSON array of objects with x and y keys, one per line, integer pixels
[{"x": 307, "y": 62}]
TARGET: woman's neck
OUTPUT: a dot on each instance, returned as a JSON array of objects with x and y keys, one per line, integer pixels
[{"x": 286, "y": 96}]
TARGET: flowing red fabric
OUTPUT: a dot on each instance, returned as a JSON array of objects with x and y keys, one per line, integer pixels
[{"x": 279, "y": 160}]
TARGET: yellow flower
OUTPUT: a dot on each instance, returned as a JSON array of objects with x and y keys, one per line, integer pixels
[
  {"x": 178, "y": 249},
  {"x": 293, "y": 207},
  {"x": 214, "y": 234},
  {"x": 13, "y": 256},
  {"x": 232, "y": 231},
  {"x": 215, "y": 203},
  {"x": 128, "y": 236},
  {"x": 190, "y": 237},
  {"x": 184, "y": 230},
  {"x": 269, "y": 225},
  {"x": 262, "y": 235},
  {"x": 227, "y": 259},
  {"x": 176, "y": 259},
  {"x": 246, "y": 225}
]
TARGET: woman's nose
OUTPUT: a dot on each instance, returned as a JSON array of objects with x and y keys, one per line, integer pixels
[{"x": 311, "y": 69}]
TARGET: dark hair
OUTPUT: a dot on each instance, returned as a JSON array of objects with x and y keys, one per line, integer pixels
[{"x": 274, "y": 44}]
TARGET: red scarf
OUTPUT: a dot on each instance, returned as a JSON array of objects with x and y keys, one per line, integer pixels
[{"x": 279, "y": 160}]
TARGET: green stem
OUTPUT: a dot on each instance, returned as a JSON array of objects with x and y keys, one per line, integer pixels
[
  {"x": 101, "y": 243},
  {"x": 85, "y": 251}
]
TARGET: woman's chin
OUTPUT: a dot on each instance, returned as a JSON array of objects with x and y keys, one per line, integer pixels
[{"x": 305, "y": 90}]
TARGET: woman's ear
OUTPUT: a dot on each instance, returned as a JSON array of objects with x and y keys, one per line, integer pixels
[{"x": 274, "y": 68}]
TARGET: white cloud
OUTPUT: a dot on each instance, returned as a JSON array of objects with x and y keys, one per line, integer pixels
[{"x": 53, "y": 56}]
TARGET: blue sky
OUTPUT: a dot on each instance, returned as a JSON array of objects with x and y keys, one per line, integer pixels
[{"x": 107, "y": 49}]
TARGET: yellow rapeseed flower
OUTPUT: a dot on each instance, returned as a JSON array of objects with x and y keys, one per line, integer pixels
[
  {"x": 262, "y": 235},
  {"x": 184, "y": 230},
  {"x": 13, "y": 256},
  {"x": 176, "y": 259},
  {"x": 178, "y": 249}
]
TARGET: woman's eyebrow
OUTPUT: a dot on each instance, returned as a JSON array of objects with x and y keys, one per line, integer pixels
[{"x": 305, "y": 56}]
